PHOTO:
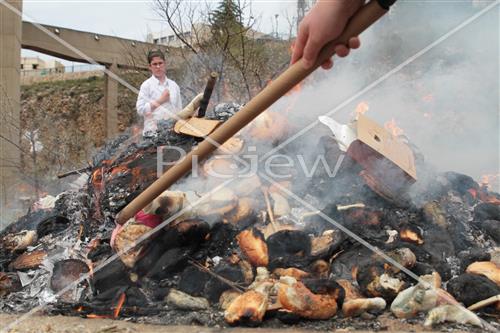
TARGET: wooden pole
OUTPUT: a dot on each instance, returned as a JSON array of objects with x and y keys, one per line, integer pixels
[
  {"x": 207, "y": 94},
  {"x": 365, "y": 17}
]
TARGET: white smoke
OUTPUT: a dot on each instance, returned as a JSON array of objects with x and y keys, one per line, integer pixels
[{"x": 446, "y": 101}]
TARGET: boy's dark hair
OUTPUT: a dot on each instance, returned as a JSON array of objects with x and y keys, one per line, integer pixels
[{"x": 155, "y": 53}]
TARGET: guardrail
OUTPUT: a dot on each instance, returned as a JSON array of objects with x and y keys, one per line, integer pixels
[{"x": 60, "y": 70}]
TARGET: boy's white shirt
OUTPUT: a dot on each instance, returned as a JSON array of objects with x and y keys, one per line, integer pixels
[{"x": 151, "y": 90}]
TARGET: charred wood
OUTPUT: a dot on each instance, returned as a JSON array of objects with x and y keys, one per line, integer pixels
[
  {"x": 470, "y": 288},
  {"x": 287, "y": 243},
  {"x": 112, "y": 275},
  {"x": 52, "y": 225}
]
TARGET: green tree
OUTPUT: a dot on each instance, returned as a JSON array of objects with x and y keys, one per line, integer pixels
[{"x": 226, "y": 23}]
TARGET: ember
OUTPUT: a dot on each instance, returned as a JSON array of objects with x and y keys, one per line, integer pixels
[{"x": 252, "y": 251}]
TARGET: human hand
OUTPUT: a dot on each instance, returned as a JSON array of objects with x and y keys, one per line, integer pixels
[
  {"x": 324, "y": 23},
  {"x": 165, "y": 97}
]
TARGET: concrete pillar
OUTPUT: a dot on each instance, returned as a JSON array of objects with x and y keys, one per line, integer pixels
[
  {"x": 111, "y": 103},
  {"x": 10, "y": 92}
]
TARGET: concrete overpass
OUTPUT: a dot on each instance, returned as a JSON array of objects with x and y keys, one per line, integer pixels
[{"x": 113, "y": 52}]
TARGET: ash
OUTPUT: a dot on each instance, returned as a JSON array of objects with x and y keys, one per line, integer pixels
[{"x": 445, "y": 225}]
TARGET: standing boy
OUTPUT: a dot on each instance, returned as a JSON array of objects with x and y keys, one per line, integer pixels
[{"x": 159, "y": 97}]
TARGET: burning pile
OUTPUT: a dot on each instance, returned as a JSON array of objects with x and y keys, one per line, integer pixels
[{"x": 250, "y": 251}]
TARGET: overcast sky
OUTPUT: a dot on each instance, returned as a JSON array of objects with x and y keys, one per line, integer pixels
[{"x": 132, "y": 18}]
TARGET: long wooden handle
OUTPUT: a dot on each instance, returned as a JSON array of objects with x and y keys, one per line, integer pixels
[{"x": 366, "y": 16}]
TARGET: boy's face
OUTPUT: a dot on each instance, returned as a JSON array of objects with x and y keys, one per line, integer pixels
[{"x": 157, "y": 67}]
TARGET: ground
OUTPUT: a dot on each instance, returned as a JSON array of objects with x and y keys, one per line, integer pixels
[{"x": 64, "y": 324}]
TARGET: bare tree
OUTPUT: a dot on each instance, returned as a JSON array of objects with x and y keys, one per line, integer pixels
[{"x": 222, "y": 38}]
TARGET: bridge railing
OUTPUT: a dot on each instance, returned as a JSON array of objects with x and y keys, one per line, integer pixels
[{"x": 59, "y": 70}]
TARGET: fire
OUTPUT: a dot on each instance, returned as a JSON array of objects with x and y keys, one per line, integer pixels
[
  {"x": 91, "y": 268},
  {"x": 361, "y": 108},
  {"x": 487, "y": 180},
  {"x": 393, "y": 128},
  {"x": 268, "y": 126},
  {"x": 296, "y": 88},
  {"x": 410, "y": 236},
  {"x": 119, "y": 305},
  {"x": 96, "y": 316},
  {"x": 473, "y": 193},
  {"x": 97, "y": 178},
  {"x": 119, "y": 169}
]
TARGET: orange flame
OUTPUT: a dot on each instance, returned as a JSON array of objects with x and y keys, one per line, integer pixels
[
  {"x": 410, "y": 236},
  {"x": 119, "y": 305},
  {"x": 296, "y": 88},
  {"x": 91, "y": 268},
  {"x": 119, "y": 169},
  {"x": 361, "y": 109},
  {"x": 393, "y": 128},
  {"x": 487, "y": 180},
  {"x": 97, "y": 178},
  {"x": 473, "y": 193},
  {"x": 96, "y": 316}
]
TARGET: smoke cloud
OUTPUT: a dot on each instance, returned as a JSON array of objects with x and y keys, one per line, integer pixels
[{"x": 446, "y": 101}]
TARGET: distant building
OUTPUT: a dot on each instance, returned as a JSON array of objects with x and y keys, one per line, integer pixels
[
  {"x": 199, "y": 33},
  {"x": 35, "y": 63}
]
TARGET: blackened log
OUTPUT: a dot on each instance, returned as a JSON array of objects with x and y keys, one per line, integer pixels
[
  {"x": 52, "y": 225},
  {"x": 108, "y": 297},
  {"x": 471, "y": 256},
  {"x": 172, "y": 261},
  {"x": 207, "y": 94},
  {"x": 220, "y": 241},
  {"x": 192, "y": 281},
  {"x": 99, "y": 252},
  {"x": 290, "y": 261},
  {"x": 422, "y": 268},
  {"x": 487, "y": 211},
  {"x": 151, "y": 254},
  {"x": 135, "y": 297},
  {"x": 74, "y": 172},
  {"x": 492, "y": 229},
  {"x": 215, "y": 287},
  {"x": 287, "y": 243},
  {"x": 186, "y": 232},
  {"x": 112, "y": 275},
  {"x": 375, "y": 281},
  {"x": 471, "y": 288},
  {"x": 460, "y": 183}
]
